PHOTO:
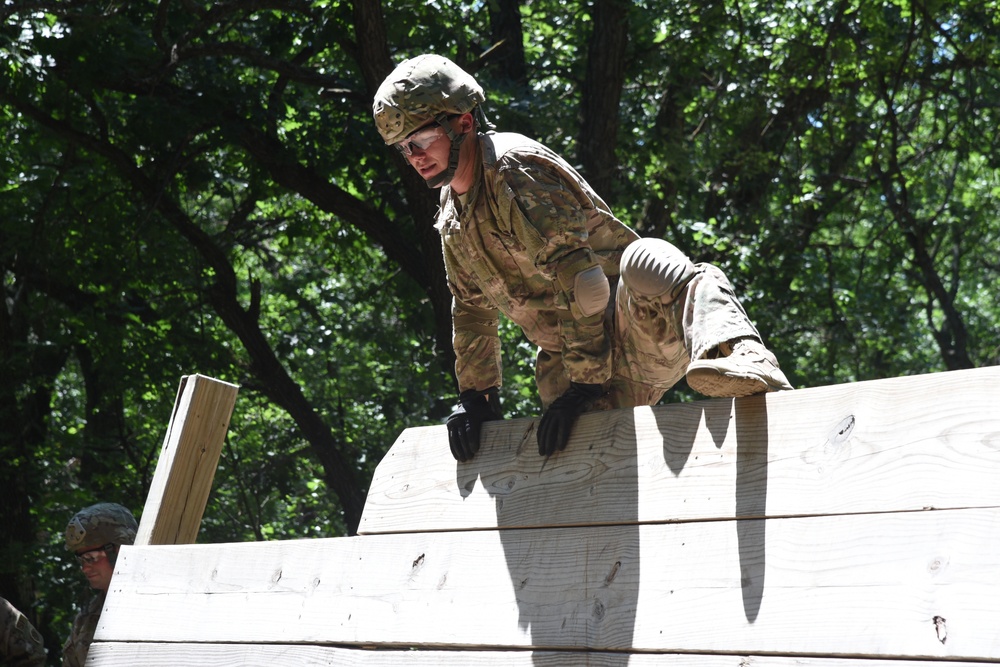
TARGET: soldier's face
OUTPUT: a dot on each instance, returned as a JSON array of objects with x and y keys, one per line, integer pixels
[
  {"x": 427, "y": 151},
  {"x": 97, "y": 568}
]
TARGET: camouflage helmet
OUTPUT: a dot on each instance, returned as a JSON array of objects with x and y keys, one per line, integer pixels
[
  {"x": 422, "y": 89},
  {"x": 100, "y": 524}
]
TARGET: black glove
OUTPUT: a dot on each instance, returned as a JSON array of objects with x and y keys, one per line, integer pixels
[
  {"x": 557, "y": 422},
  {"x": 465, "y": 422}
]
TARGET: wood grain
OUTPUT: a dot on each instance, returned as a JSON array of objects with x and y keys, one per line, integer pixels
[
  {"x": 887, "y": 445},
  {"x": 841, "y": 585},
  {"x": 293, "y": 655},
  {"x": 186, "y": 466},
  {"x": 846, "y": 526}
]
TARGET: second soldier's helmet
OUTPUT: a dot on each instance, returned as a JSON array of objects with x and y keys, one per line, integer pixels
[
  {"x": 419, "y": 90},
  {"x": 100, "y": 524}
]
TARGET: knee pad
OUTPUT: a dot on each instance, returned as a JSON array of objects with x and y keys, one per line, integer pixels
[
  {"x": 654, "y": 269},
  {"x": 592, "y": 291}
]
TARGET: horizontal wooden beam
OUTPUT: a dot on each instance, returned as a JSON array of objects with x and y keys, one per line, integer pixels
[
  {"x": 887, "y": 445},
  {"x": 270, "y": 655},
  {"x": 894, "y": 585}
]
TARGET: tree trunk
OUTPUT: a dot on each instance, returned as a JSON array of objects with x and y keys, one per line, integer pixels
[{"x": 602, "y": 90}]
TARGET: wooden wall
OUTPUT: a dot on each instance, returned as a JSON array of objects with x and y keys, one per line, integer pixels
[{"x": 844, "y": 526}]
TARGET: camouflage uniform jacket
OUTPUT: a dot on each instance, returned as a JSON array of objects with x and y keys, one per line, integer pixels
[
  {"x": 84, "y": 625},
  {"x": 514, "y": 244},
  {"x": 20, "y": 643}
]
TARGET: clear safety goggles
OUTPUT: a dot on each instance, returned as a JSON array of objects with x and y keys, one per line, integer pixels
[
  {"x": 420, "y": 140},
  {"x": 92, "y": 556}
]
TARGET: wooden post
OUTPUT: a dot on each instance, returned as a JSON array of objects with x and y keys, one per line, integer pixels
[{"x": 187, "y": 463}]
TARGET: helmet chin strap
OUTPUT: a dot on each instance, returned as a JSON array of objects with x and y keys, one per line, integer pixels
[{"x": 444, "y": 178}]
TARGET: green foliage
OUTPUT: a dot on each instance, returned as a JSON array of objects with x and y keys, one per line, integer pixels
[{"x": 198, "y": 187}]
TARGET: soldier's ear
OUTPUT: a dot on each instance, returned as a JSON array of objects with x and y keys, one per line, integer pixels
[{"x": 466, "y": 123}]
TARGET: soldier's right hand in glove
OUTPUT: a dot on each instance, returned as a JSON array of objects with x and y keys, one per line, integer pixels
[
  {"x": 557, "y": 422},
  {"x": 466, "y": 422}
]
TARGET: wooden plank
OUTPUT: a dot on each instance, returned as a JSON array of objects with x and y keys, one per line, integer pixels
[
  {"x": 186, "y": 467},
  {"x": 894, "y": 585},
  {"x": 291, "y": 655},
  {"x": 885, "y": 445}
]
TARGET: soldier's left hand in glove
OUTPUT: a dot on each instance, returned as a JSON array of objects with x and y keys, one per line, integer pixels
[
  {"x": 557, "y": 422},
  {"x": 466, "y": 422}
]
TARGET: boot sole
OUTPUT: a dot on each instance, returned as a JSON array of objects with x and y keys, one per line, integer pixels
[{"x": 710, "y": 382}]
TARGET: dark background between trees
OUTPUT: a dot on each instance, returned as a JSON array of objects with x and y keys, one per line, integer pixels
[{"x": 196, "y": 187}]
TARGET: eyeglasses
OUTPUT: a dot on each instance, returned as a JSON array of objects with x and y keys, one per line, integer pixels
[
  {"x": 421, "y": 140},
  {"x": 92, "y": 556}
]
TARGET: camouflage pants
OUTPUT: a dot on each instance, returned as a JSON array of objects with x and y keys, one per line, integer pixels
[{"x": 652, "y": 343}]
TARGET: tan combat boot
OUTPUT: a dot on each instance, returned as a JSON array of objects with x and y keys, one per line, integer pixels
[{"x": 741, "y": 367}]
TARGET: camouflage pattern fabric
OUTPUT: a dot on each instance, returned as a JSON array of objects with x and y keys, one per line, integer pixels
[
  {"x": 20, "y": 643},
  {"x": 420, "y": 89},
  {"x": 82, "y": 636},
  {"x": 514, "y": 244},
  {"x": 654, "y": 342},
  {"x": 100, "y": 524}
]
